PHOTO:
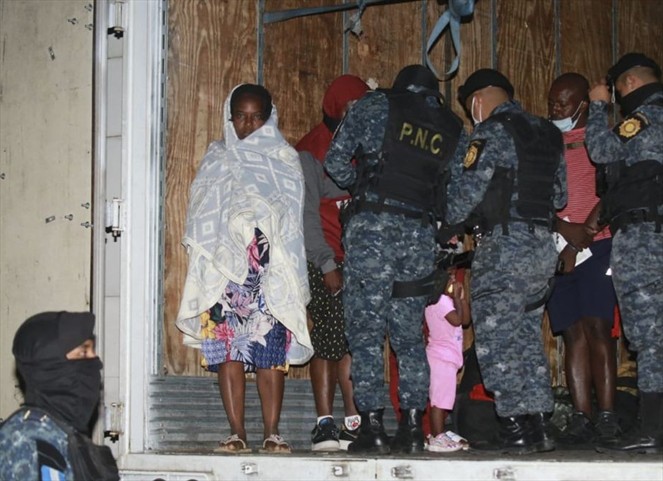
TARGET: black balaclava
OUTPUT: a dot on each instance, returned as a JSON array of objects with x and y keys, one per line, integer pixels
[
  {"x": 67, "y": 389},
  {"x": 636, "y": 98}
]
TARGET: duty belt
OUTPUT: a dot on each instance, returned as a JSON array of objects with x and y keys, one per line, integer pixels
[
  {"x": 636, "y": 216},
  {"x": 426, "y": 217},
  {"x": 480, "y": 231}
]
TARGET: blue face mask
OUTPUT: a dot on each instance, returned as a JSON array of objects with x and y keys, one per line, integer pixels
[{"x": 567, "y": 123}]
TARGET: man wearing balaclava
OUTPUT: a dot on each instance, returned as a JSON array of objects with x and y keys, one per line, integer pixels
[
  {"x": 404, "y": 140},
  {"x": 633, "y": 206},
  {"x": 55, "y": 356}
]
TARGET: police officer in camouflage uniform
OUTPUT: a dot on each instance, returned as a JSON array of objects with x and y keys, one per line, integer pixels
[
  {"x": 47, "y": 438},
  {"x": 513, "y": 179},
  {"x": 632, "y": 152},
  {"x": 404, "y": 139}
]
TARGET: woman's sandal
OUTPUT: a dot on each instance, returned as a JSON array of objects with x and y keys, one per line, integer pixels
[
  {"x": 233, "y": 444},
  {"x": 275, "y": 444}
]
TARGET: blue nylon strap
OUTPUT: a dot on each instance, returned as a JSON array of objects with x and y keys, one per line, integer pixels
[{"x": 451, "y": 17}]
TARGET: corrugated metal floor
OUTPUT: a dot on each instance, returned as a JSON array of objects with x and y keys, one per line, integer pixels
[
  {"x": 186, "y": 421},
  {"x": 186, "y": 414}
]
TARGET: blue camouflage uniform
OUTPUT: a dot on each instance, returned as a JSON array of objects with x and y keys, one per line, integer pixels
[
  {"x": 637, "y": 250},
  {"x": 33, "y": 447},
  {"x": 381, "y": 247},
  {"x": 508, "y": 273}
]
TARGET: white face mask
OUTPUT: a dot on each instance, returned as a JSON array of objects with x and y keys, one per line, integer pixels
[
  {"x": 567, "y": 124},
  {"x": 474, "y": 119}
]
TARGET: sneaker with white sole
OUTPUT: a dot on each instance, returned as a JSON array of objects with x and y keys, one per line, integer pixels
[
  {"x": 442, "y": 444},
  {"x": 458, "y": 439},
  {"x": 324, "y": 436}
]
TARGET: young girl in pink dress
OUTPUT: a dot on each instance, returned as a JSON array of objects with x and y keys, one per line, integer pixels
[{"x": 445, "y": 320}]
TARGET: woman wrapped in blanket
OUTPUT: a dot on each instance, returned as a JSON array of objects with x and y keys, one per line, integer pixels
[{"x": 246, "y": 289}]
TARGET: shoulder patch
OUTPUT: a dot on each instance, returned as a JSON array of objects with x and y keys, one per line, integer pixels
[
  {"x": 631, "y": 126},
  {"x": 473, "y": 153}
]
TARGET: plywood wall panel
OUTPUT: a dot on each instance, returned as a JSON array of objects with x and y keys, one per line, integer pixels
[
  {"x": 526, "y": 49},
  {"x": 212, "y": 47},
  {"x": 640, "y": 28},
  {"x": 301, "y": 57},
  {"x": 586, "y": 50},
  {"x": 391, "y": 40}
]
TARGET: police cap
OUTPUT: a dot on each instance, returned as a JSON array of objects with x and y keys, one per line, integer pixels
[
  {"x": 482, "y": 78},
  {"x": 416, "y": 75},
  {"x": 630, "y": 60}
]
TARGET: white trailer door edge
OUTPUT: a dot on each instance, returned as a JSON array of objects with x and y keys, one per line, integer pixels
[{"x": 128, "y": 132}]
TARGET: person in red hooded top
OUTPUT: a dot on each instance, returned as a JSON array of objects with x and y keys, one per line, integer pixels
[{"x": 324, "y": 252}]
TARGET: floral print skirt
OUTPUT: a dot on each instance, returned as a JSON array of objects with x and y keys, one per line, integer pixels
[{"x": 240, "y": 327}]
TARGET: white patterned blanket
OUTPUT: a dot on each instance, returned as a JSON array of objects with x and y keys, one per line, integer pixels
[{"x": 241, "y": 185}]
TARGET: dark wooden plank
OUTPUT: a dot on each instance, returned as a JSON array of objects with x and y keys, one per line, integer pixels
[
  {"x": 525, "y": 49},
  {"x": 391, "y": 40},
  {"x": 586, "y": 46},
  {"x": 301, "y": 57},
  {"x": 640, "y": 28}
]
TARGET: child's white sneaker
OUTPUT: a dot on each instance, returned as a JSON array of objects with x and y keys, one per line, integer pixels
[{"x": 442, "y": 444}]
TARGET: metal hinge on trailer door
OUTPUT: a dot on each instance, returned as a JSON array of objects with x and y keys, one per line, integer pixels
[
  {"x": 115, "y": 217},
  {"x": 117, "y": 18}
]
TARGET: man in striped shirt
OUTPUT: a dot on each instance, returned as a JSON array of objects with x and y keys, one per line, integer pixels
[{"x": 582, "y": 304}]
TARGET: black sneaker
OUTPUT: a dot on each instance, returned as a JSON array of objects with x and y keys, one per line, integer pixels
[
  {"x": 607, "y": 427},
  {"x": 324, "y": 436},
  {"x": 347, "y": 436},
  {"x": 579, "y": 430}
]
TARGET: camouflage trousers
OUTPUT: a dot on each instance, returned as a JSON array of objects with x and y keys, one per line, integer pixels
[
  {"x": 509, "y": 272},
  {"x": 637, "y": 271},
  {"x": 380, "y": 249}
]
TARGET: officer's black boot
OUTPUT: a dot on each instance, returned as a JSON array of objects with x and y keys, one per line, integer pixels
[
  {"x": 515, "y": 436},
  {"x": 540, "y": 432},
  {"x": 410, "y": 434},
  {"x": 648, "y": 438},
  {"x": 371, "y": 438}
]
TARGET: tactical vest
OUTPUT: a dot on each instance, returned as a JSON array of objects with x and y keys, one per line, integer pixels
[
  {"x": 413, "y": 166},
  {"x": 635, "y": 196},
  {"x": 630, "y": 194},
  {"x": 539, "y": 146},
  {"x": 608, "y": 174}
]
